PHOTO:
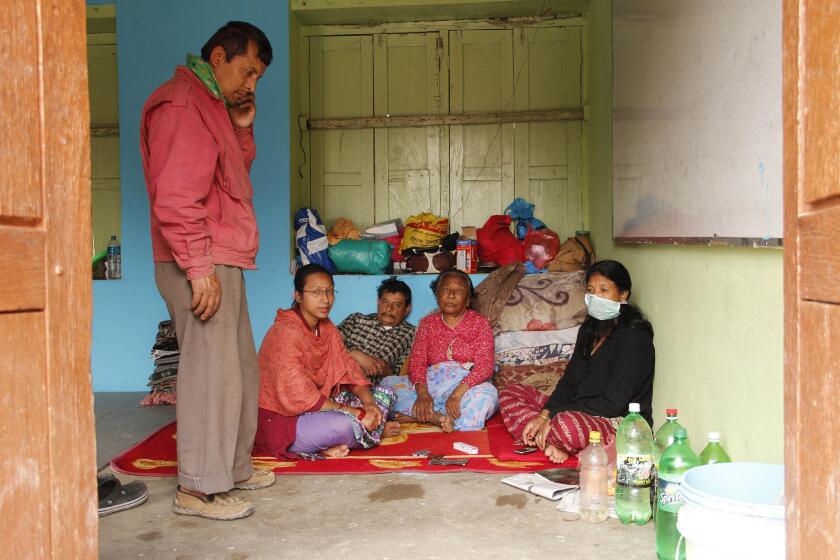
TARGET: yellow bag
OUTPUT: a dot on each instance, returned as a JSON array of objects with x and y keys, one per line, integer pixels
[{"x": 424, "y": 230}]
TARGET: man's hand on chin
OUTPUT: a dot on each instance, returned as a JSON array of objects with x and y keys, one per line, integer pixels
[{"x": 242, "y": 112}]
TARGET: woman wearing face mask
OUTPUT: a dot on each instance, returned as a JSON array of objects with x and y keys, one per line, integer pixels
[{"x": 612, "y": 366}]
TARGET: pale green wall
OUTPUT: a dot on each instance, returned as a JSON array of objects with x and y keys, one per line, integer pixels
[{"x": 717, "y": 312}]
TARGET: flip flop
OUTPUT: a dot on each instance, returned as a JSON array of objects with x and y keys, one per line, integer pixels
[{"x": 114, "y": 497}]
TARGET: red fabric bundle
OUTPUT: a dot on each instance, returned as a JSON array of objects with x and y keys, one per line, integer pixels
[
  {"x": 497, "y": 243},
  {"x": 541, "y": 246}
]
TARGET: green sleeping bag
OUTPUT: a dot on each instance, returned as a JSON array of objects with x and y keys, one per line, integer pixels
[{"x": 361, "y": 256}]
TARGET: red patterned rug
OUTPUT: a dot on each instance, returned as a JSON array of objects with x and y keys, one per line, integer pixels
[{"x": 156, "y": 455}]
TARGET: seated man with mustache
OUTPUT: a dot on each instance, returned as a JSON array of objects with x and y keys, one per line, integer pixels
[{"x": 381, "y": 342}]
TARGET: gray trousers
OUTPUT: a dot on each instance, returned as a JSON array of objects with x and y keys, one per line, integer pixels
[{"x": 218, "y": 382}]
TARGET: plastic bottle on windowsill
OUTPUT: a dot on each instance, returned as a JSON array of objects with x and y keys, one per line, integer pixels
[{"x": 113, "y": 259}]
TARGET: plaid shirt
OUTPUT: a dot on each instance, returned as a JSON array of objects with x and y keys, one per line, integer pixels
[{"x": 366, "y": 334}]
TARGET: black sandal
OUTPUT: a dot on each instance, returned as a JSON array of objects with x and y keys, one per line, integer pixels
[{"x": 114, "y": 497}]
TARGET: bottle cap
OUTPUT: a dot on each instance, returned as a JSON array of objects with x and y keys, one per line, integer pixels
[
  {"x": 113, "y": 237},
  {"x": 594, "y": 437},
  {"x": 634, "y": 407},
  {"x": 714, "y": 437},
  {"x": 670, "y": 413},
  {"x": 680, "y": 433}
]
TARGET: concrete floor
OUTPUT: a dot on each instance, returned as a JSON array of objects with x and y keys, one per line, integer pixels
[
  {"x": 382, "y": 516},
  {"x": 121, "y": 422}
]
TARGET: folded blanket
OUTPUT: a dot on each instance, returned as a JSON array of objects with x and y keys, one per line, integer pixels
[{"x": 535, "y": 347}]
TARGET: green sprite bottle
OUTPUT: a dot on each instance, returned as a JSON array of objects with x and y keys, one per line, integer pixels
[
  {"x": 673, "y": 464},
  {"x": 714, "y": 453},
  {"x": 663, "y": 440}
]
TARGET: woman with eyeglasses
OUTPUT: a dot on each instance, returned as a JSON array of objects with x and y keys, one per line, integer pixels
[
  {"x": 451, "y": 363},
  {"x": 314, "y": 398}
]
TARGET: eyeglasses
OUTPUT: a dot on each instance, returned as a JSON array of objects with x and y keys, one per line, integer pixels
[{"x": 322, "y": 293}]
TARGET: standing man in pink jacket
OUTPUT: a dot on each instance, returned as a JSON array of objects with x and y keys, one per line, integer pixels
[{"x": 197, "y": 142}]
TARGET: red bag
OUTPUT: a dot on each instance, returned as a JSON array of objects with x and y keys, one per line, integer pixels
[
  {"x": 541, "y": 246},
  {"x": 394, "y": 241},
  {"x": 497, "y": 243}
]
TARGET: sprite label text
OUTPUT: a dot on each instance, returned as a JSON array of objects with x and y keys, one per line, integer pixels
[{"x": 668, "y": 497}]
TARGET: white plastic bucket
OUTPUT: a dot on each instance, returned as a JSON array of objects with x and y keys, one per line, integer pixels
[{"x": 730, "y": 511}]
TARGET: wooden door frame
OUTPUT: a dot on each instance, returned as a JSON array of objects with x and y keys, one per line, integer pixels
[
  {"x": 64, "y": 525},
  {"x": 810, "y": 285},
  {"x": 790, "y": 172}
]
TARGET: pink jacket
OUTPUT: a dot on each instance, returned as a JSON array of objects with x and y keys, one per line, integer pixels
[{"x": 196, "y": 166}]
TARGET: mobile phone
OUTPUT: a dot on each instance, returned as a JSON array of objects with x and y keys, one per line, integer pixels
[
  {"x": 449, "y": 462},
  {"x": 524, "y": 450}
]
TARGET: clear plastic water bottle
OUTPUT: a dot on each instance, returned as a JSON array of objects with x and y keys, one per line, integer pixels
[
  {"x": 114, "y": 259},
  {"x": 663, "y": 440},
  {"x": 634, "y": 456},
  {"x": 593, "y": 465},
  {"x": 713, "y": 452},
  {"x": 676, "y": 460}
]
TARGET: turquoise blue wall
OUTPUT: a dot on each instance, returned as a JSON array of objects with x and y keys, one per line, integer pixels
[{"x": 153, "y": 37}]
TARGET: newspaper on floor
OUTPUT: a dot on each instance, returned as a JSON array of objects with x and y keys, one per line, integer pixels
[
  {"x": 549, "y": 484},
  {"x": 561, "y": 485}
]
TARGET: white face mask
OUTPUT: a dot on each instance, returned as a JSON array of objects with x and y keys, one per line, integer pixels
[{"x": 601, "y": 308}]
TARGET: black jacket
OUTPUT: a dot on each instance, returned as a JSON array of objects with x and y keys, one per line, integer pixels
[{"x": 618, "y": 373}]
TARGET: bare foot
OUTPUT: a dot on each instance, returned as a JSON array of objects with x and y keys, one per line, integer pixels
[
  {"x": 392, "y": 428},
  {"x": 368, "y": 423},
  {"x": 555, "y": 455},
  {"x": 402, "y": 418},
  {"x": 336, "y": 451},
  {"x": 443, "y": 422}
]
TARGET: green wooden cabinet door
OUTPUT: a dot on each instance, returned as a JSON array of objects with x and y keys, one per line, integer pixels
[
  {"x": 466, "y": 172},
  {"x": 341, "y": 171},
  {"x": 408, "y": 81},
  {"x": 548, "y": 154},
  {"x": 481, "y": 157}
]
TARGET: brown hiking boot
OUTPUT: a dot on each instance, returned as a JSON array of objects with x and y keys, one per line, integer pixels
[
  {"x": 259, "y": 479},
  {"x": 221, "y": 506}
]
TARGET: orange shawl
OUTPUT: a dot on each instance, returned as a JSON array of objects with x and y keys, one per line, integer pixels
[{"x": 298, "y": 368}]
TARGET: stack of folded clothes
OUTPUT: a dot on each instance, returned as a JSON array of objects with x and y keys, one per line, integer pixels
[{"x": 162, "y": 381}]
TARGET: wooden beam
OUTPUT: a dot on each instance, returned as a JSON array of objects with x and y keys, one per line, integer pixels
[
  {"x": 407, "y": 121},
  {"x": 112, "y": 130},
  {"x": 448, "y": 25}
]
